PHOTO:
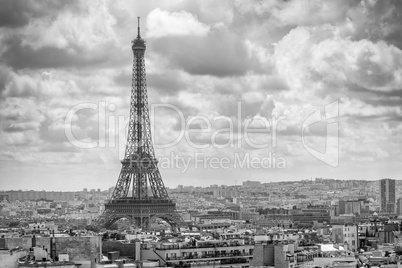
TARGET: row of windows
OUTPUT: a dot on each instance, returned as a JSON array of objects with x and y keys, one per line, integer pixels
[
  {"x": 129, "y": 212},
  {"x": 348, "y": 235}
]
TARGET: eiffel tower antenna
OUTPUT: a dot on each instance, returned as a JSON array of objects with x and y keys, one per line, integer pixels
[
  {"x": 138, "y": 36},
  {"x": 139, "y": 174}
]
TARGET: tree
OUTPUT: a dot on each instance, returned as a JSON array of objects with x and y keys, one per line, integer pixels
[
  {"x": 92, "y": 228},
  {"x": 13, "y": 224},
  {"x": 114, "y": 227},
  {"x": 215, "y": 235},
  {"x": 398, "y": 249}
]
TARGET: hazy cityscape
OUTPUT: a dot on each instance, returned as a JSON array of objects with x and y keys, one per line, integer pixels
[{"x": 200, "y": 134}]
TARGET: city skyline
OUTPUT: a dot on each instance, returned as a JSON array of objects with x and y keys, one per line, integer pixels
[
  {"x": 222, "y": 69},
  {"x": 238, "y": 183}
]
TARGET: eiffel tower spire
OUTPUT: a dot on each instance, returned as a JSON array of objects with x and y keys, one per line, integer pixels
[
  {"x": 138, "y": 35},
  {"x": 139, "y": 173}
]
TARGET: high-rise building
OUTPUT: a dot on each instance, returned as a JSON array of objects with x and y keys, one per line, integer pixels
[
  {"x": 387, "y": 195},
  {"x": 399, "y": 206}
]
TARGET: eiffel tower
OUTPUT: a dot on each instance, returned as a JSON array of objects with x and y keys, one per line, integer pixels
[{"x": 131, "y": 198}]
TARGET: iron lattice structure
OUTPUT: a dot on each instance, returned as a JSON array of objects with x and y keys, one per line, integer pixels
[{"x": 131, "y": 198}]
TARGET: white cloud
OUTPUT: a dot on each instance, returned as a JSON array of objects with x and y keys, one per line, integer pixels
[
  {"x": 162, "y": 23},
  {"x": 311, "y": 12},
  {"x": 253, "y": 97},
  {"x": 317, "y": 58},
  {"x": 354, "y": 108},
  {"x": 70, "y": 30},
  {"x": 298, "y": 12}
]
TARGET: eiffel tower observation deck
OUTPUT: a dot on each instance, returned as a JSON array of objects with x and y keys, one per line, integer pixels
[{"x": 131, "y": 198}]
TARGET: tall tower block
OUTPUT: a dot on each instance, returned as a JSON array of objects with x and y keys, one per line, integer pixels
[{"x": 387, "y": 195}]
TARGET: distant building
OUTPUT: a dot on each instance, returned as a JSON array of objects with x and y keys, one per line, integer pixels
[
  {"x": 13, "y": 196},
  {"x": 83, "y": 250},
  {"x": 277, "y": 255},
  {"x": 347, "y": 235},
  {"x": 387, "y": 195},
  {"x": 215, "y": 216},
  {"x": 249, "y": 215},
  {"x": 208, "y": 253},
  {"x": 358, "y": 206},
  {"x": 224, "y": 193},
  {"x": 352, "y": 207},
  {"x": 310, "y": 214},
  {"x": 390, "y": 229},
  {"x": 399, "y": 206},
  {"x": 275, "y": 217},
  {"x": 344, "y": 219},
  {"x": 251, "y": 184}
]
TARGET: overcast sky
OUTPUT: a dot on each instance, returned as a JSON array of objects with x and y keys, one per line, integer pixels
[{"x": 252, "y": 62}]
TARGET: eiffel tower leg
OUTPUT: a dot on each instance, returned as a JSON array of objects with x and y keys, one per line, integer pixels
[
  {"x": 123, "y": 184},
  {"x": 106, "y": 219}
]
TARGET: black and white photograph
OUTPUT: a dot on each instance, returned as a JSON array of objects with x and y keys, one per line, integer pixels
[{"x": 200, "y": 133}]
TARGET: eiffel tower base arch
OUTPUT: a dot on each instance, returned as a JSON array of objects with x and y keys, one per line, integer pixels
[{"x": 141, "y": 213}]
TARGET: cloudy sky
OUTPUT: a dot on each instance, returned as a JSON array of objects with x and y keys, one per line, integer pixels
[{"x": 232, "y": 81}]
